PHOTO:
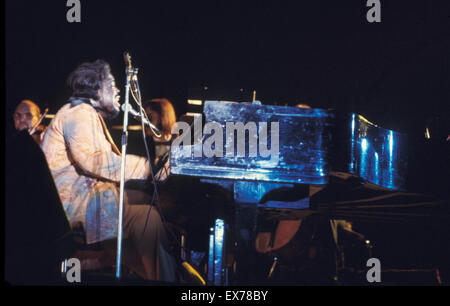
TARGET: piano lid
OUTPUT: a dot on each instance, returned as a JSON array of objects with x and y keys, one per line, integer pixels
[
  {"x": 248, "y": 141},
  {"x": 376, "y": 154},
  {"x": 281, "y": 144}
]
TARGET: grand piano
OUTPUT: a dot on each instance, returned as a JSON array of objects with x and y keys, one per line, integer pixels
[{"x": 301, "y": 160}]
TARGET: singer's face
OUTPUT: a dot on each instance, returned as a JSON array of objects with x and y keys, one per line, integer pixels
[
  {"x": 109, "y": 98},
  {"x": 25, "y": 116}
]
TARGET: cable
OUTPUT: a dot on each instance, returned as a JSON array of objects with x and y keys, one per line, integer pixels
[
  {"x": 155, "y": 195},
  {"x": 138, "y": 101}
]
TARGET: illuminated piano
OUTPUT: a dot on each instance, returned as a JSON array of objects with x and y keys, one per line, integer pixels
[
  {"x": 306, "y": 149},
  {"x": 284, "y": 151}
]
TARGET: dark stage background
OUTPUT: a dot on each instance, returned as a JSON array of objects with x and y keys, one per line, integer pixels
[{"x": 323, "y": 53}]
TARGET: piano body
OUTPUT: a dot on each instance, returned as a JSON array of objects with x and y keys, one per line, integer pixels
[
  {"x": 305, "y": 143},
  {"x": 314, "y": 147}
]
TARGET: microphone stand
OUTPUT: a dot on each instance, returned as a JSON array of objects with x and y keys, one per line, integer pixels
[{"x": 131, "y": 74}]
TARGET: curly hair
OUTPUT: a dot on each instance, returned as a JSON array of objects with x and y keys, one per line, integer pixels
[{"x": 87, "y": 79}]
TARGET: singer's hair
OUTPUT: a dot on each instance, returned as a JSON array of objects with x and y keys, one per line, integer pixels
[
  {"x": 167, "y": 117},
  {"x": 87, "y": 79}
]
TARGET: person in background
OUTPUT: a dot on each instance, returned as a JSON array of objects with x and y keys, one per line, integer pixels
[
  {"x": 162, "y": 115},
  {"x": 26, "y": 117}
]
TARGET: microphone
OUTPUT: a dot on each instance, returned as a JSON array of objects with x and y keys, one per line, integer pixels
[
  {"x": 136, "y": 114},
  {"x": 127, "y": 58}
]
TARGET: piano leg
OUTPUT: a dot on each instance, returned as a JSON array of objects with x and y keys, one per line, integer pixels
[
  {"x": 245, "y": 234},
  {"x": 217, "y": 265}
]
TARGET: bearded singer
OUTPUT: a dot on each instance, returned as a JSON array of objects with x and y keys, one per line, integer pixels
[{"x": 85, "y": 165}]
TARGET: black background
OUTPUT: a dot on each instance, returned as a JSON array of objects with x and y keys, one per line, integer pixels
[{"x": 323, "y": 53}]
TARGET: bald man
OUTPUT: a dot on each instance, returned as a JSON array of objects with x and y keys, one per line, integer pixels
[{"x": 25, "y": 116}]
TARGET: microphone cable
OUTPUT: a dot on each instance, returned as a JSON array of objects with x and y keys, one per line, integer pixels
[{"x": 155, "y": 196}]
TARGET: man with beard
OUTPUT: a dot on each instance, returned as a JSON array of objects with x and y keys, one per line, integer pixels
[
  {"x": 85, "y": 165},
  {"x": 26, "y": 116}
]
